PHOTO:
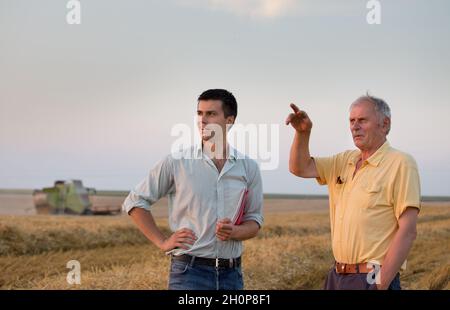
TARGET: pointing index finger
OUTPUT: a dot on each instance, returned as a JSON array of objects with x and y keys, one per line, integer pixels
[{"x": 295, "y": 108}]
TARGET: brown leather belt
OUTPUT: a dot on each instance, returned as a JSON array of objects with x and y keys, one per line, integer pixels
[{"x": 353, "y": 268}]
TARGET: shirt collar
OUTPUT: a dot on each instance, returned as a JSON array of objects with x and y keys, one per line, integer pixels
[
  {"x": 375, "y": 158},
  {"x": 232, "y": 152}
]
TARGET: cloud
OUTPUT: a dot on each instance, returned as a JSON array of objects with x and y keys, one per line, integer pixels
[{"x": 248, "y": 8}]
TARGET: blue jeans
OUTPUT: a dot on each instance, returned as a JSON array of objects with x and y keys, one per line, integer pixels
[{"x": 187, "y": 276}]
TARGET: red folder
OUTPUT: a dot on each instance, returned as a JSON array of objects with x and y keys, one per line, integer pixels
[{"x": 239, "y": 215}]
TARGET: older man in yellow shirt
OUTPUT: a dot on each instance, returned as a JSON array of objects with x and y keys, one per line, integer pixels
[{"x": 374, "y": 197}]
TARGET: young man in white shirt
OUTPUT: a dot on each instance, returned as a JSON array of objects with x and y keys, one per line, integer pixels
[{"x": 206, "y": 185}]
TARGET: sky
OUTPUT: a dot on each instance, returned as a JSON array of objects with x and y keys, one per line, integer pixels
[{"x": 98, "y": 101}]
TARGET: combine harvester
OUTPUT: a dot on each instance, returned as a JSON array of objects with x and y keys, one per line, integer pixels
[{"x": 69, "y": 197}]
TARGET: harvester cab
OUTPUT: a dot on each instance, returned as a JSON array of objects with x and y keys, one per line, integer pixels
[{"x": 65, "y": 197}]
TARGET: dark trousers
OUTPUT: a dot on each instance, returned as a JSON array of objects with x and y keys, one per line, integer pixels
[{"x": 354, "y": 281}]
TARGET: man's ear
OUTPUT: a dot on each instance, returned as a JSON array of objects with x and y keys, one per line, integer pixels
[
  {"x": 387, "y": 124},
  {"x": 230, "y": 120}
]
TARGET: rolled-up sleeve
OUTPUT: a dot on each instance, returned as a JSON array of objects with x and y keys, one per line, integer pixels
[
  {"x": 407, "y": 187},
  {"x": 254, "y": 209},
  {"x": 158, "y": 183}
]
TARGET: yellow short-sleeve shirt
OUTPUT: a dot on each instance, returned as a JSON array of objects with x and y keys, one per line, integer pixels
[{"x": 364, "y": 209}]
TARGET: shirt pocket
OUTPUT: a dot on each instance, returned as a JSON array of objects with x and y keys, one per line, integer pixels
[
  {"x": 338, "y": 187},
  {"x": 233, "y": 196},
  {"x": 374, "y": 195}
]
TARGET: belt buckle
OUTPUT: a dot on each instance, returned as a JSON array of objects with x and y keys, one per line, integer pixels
[
  {"x": 340, "y": 268},
  {"x": 231, "y": 262}
]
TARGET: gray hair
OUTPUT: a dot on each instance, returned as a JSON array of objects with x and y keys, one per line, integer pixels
[{"x": 381, "y": 107}]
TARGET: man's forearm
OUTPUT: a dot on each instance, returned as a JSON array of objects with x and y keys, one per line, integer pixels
[
  {"x": 396, "y": 255},
  {"x": 246, "y": 230},
  {"x": 146, "y": 224},
  {"x": 300, "y": 157}
]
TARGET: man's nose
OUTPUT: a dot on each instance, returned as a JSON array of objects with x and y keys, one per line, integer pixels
[
  {"x": 355, "y": 126},
  {"x": 202, "y": 121}
]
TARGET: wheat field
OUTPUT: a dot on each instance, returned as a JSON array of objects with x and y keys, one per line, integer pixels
[{"x": 291, "y": 252}]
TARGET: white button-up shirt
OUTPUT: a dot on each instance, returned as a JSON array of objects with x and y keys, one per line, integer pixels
[{"x": 199, "y": 196}]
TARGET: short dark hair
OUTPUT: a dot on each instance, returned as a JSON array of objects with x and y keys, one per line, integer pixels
[{"x": 229, "y": 104}]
